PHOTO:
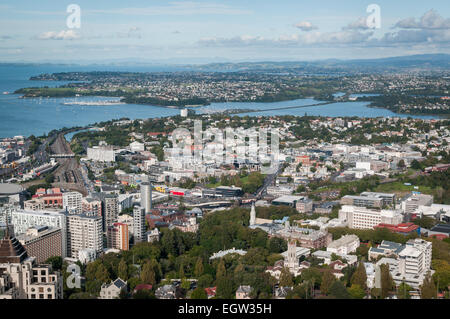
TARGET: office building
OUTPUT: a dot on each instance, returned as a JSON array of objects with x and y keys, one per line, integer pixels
[
  {"x": 364, "y": 218},
  {"x": 23, "y": 220},
  {"x": 412, "y": 202},
  {"x": 138, "y": 224},
  {"x": 42, "y": 242}
]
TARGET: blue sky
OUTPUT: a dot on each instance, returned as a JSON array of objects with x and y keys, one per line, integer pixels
[{"x": 228, "y": 30}]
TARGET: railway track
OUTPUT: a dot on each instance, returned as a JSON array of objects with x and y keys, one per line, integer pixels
[{"x": 68, "y": 174}]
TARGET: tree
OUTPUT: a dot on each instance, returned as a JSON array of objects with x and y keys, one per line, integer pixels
[
  {"x": 428, "y": 289},
  {"x": 360, "y": 277},
  {"x": 286, "y": 278},
  {"x": 401, "y": 164},
  {"x": 55, "y": 261},
  {"x": 328, "y": 280},
  {"x": 221, "y": 270},
  {"x": 442, "y": 273},
  {"x": 205, "y": 281},
  {"x": 224, "y": 288},
  {"x": 181, "y": 272},
  {"x": 148, "y": 274},
  {"x": 338, "y": 291},
  {"x": 143, "y": 294},
  {"x": 198, "y": 270},
  {"x": 122, "y": 270},
  {"x": 356, "y": 292},
  {"x": 199, "y": 293},
  {"x": 102, "y": 273},
  {"x": 403, "y": 291},
  {"x": 415, "y": 164},
  {"x": 387, "y": 283}
]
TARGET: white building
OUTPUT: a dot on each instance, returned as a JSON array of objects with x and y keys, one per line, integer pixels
[
  {"x": 344, "y": 245},
  {"x": 413, "y": 201},
  {"x": 413, "y": 263},
  {"x": 87, "y": 255},
  {"x": 72, "y": 201},
  {"x": 113, "y": 289},
  {"x": 101, "y": 154},
  {"x": 137, "y": 147},
  {"x": 364, "y": 218},
  {"x": 84, "y": 231},
  {"x": 24, "y": 219}
]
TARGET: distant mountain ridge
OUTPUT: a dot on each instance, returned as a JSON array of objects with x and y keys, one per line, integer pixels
[{"x": 419, "y": 61}]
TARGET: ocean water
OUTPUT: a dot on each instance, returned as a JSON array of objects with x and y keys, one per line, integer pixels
[{"x": 41, "y": 115}]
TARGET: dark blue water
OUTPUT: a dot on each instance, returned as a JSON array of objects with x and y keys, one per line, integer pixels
[{"x": 41, "y": 115}]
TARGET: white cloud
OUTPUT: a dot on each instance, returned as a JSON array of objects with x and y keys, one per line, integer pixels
[
  {"x": 308, "y": 39},
  {"x": 306, "y": 26},
  {"x": 360, "y": 24},
  {"x": 431, "y": 20},
  {"x": 61, "y": 35}
]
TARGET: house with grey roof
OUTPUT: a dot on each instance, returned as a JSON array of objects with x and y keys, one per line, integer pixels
[{"x": 113, "y": 289}]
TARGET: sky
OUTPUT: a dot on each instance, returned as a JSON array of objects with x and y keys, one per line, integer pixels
[{"x": 204, "y": 31}]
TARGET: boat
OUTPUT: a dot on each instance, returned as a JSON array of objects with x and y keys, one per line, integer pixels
[{"x": 6, "y": 92}]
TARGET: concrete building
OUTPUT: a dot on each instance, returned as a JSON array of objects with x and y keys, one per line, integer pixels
[
  {"x": 153, "y": 235},
  {"x": 42, "y": 242},
  {"x": 72, "y": 202},
  {"x": 138, "y": 224},
  {"x": 118, "y": 236},
  {"x": 344, "y": 245},
  {"x": 91, "y": 205},
  {"x": 101, "y": 154},
  {"x": 146, "y": 197},
  {"x": 22, "y": 220},
  {"x": 110, "y": 207},
  {"x": 84, "y": 231},
  {"x": 412, "y": 202},
  {"x": 304, "y": 205},
  {"x": 22, "y": 278},
  {"x": 364, "y": 218}
]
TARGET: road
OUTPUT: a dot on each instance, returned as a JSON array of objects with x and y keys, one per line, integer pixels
[{"x": 268, "y": 181}]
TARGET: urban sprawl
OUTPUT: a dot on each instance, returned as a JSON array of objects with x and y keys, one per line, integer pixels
[{"x": 355, "y": 207}]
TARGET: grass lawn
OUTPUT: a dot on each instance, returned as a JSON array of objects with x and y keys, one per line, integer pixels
[{"x": 398, "y": 187}]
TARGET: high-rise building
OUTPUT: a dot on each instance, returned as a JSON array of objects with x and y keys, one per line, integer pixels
[
  {"x": 72, "y": 202},
  {"x": 84, "y": 231},
  {"x": 138, "y": 224},
  {"x": 42, "y": 242},
  {"x": 23, "y": 220},
  {"x": 146, "y": 197},
  {"x": 118, "y": 237},
  {"x": 92, "y": 205},
  {"x": 110, "y": 210}
]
